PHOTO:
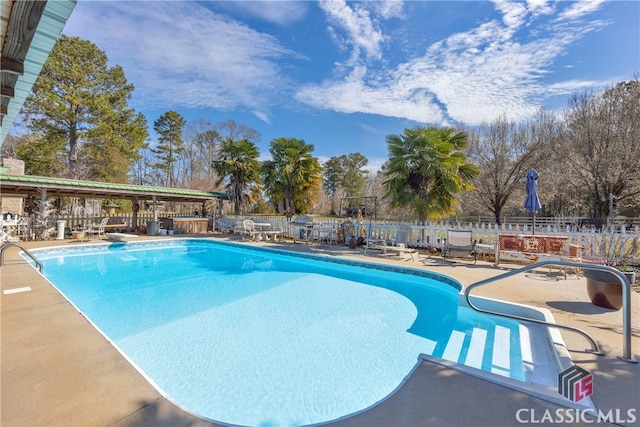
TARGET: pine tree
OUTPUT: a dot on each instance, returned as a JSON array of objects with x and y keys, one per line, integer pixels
[
  {"x": 79, "y": 100},
  {"x": 169, "y": 128}
]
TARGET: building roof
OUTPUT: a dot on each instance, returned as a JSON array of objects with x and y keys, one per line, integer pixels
[
  {"x": 31, "y": 185},
  {"x": 28, "y": 31}
]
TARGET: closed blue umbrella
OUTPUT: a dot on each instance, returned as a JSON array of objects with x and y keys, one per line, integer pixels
[{"x": 532, "y": 202}]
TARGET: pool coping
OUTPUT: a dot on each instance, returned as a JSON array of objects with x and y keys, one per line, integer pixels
[
  {"x": 413, "y": 409},
  {"x": 557, "y": 347},
  {"x": 328, "y": 258}
]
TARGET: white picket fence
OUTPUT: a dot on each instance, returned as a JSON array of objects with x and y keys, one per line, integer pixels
[
  {"x": 432, "y": 234},
  {"x": 422, "y": 236}
]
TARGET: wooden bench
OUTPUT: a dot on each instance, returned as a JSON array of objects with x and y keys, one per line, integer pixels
[{"x": 116, "y": 224}]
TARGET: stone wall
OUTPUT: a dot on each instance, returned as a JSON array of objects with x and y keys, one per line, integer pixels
[{"x": 13, "y": 205}]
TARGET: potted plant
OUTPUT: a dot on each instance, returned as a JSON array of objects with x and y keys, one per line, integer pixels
[{"x": 614, "y": 250}]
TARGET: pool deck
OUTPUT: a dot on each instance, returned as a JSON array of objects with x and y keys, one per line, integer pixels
[{"x": 57, "y": 370}]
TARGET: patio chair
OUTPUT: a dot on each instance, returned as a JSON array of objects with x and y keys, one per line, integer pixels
[
  {"x": 97, "y": 230},
  {"x": 461, "y": 243},
  {"x": 399, "y": 245},
  {"x": 328, "y": 235},
  {"x": 249, "y": 230}
]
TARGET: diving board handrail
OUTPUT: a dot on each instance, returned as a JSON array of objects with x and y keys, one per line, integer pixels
[
  {"x": 8, "y": 245},
  {"x": 626, "y": 304}
]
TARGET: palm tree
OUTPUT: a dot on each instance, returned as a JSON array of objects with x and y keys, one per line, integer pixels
[
  {"x": 293, "y": 175},
  {"x": 426, "y": 168},
  {"x": 238, "y": 165}
]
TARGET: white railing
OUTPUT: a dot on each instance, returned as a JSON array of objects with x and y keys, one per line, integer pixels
[{"x": 626, "y": 304}]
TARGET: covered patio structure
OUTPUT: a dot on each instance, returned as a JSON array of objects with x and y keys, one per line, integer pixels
[{"x": 45, "y": 187}]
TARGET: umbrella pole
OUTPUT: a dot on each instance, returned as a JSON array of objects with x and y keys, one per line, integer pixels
[{"x": 533, "y": 226}]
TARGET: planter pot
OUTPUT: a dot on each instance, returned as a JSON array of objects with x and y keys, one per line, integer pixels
[{"x": 604, "y": 288}]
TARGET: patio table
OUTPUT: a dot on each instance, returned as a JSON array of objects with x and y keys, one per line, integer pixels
[{"x": 260, "y": 226}]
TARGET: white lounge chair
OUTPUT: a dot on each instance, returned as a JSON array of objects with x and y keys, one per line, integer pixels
[
  {"x": 226, "y": 225},
  {"x": 399, "y": 245}
]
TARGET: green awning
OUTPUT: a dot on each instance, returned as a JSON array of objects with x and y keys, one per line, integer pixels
[{"x": 30, "y": 185}]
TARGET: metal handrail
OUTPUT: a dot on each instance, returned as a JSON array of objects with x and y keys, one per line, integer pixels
[
  {"x": 626, "y": 304},
  {"x": 7, "y": 245}
]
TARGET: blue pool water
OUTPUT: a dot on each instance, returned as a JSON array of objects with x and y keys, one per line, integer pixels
[{"x": 256, "y": 337}]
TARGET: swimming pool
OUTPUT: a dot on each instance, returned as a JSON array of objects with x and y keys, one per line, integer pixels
[{"x": 253, "y": 336}]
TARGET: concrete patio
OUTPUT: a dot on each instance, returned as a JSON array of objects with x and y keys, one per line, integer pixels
[{"x": 57, "y": 370}]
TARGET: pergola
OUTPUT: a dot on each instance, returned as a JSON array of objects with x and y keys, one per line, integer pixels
[{"x": 45, "y": 187}]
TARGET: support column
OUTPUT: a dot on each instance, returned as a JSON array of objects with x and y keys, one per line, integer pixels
[
  {"x": 134, "y": 217},
  {"x": 155, "y": 208}
]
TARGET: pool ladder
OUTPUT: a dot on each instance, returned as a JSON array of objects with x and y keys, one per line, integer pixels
[
  {"x": 8, "y": 245},
  {"x": 626, "y": 304}
]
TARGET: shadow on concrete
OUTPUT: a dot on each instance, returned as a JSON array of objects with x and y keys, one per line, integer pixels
[{"x": 579, "y": 307}]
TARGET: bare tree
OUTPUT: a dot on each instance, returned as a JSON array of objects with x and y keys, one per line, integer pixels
[
  {"x": 600, "y": 146},
  {"x": 230, "y": 129},
  {"x": 142, "y": 171},
  {"x": 202, "y": 141},
  {"x": 201, "y": 145},
  {"x": 385, "y": 210},
  {"x": 504, "y": 151}
]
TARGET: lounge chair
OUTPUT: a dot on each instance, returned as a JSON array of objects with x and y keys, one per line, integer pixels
[
  {"x": 461, "y": 243},
  {"x": 325, "y": 234},
  {"x": 399, "y": 245},
  {"x": 97, "y": 230},
  {"x": 6, "y": 236},
  {"x": 226, "y": 225}
]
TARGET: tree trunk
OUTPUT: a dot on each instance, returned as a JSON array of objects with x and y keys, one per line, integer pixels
[
  {"x": 73, "y": 151},
  {"x": 496, "y": 214},
  {"x": 288, "y": 202}
]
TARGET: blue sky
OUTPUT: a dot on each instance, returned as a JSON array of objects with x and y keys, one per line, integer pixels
[{"x": 344, "y": 75}]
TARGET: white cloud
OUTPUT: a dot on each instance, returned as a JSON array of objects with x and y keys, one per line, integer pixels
[
  {"x": 573, "y": 86},
  {"x": 580, "y": 8},
  {"x": 276, "y": 11},
  {"x": 262, "y": 116},
  {"x": 539, "y": 7},
  {"x": 356, "y": 21},
  {"x": 354, "y": 95},
  {"x": 513, "y": 13},
  {"x": 184, "y": 55},
  {"x": 199, "y": 60},
  {"x": 470, "y": 77},
  {"x": 375, "y": 164},
  {"x": 389, "y": 8}
]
